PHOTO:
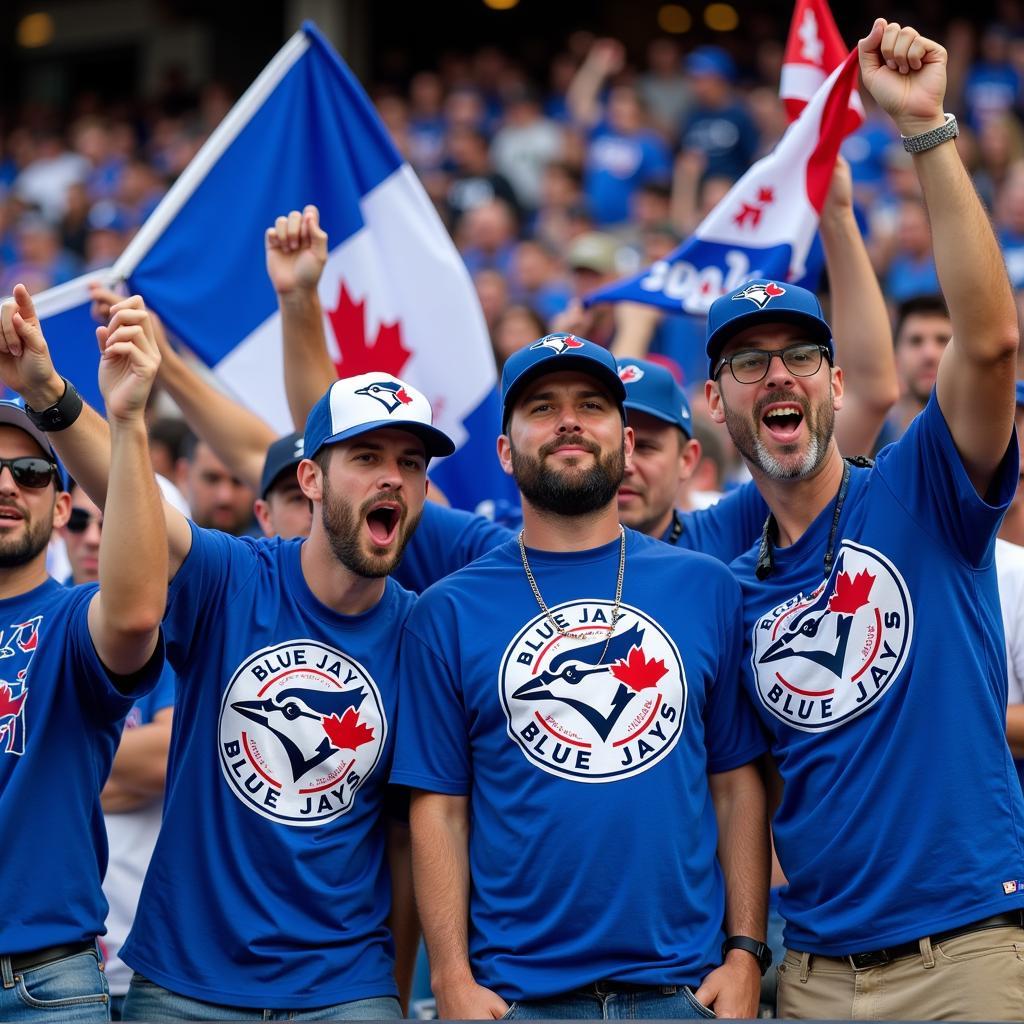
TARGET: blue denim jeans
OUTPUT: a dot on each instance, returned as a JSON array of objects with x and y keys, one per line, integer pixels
[
  {"x": 147, "y": 1000},
  {"x": 72, "y": 990},
  {"x": 606, "y": 1001}
]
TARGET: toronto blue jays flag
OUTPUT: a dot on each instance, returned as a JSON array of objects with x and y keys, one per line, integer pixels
[
  {"x": 765, "y": 225},
  {"x": 396, "y": 294}
]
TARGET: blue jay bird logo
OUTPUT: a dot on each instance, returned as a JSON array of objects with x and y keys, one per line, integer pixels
[
  {"x": 390, "y": 393},
  {"x": 558, "y": 343}
]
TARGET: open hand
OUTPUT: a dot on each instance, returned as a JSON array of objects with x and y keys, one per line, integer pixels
[
  {"x": 25, "y": 363},
  {"x": 296, "y": 251},
  {"x": 130, "y": 359}
]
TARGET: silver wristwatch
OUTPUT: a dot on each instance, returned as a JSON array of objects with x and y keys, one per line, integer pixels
[{"x": 933, "y": 137}]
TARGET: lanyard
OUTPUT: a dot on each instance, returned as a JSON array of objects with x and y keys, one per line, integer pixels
[
  {"x": 677, "y": 528},
  {"x": 766, "y": 554}
]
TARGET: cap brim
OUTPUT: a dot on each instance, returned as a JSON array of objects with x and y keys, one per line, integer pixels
[
  {"x": 818, "y": 330},
  {"x": 658, "y": 414},
  {"x": 555, "y": 364},
  {"x": 436, "y": 442},
  {"x": 15, "y": 416}
]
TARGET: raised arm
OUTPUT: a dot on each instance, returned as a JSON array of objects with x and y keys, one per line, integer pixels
[
  {"x": 237, "y": 436},
  {"x": 86, "y": 446},
  {"x": 606, "y": 57},
  {"x": 860, "y": 322},
  {"x": 906, "y": 74},
  {"x": 296, "y": 253},
  {"x": 440, "y": 866}
]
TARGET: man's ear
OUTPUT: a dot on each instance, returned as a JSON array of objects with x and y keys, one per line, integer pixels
[
  {"x": 261, "y": 510},
  {"x": 310, "y": 480},
  {"x": 505, "y": 453},
  {"x": 61, "y": 509},
  {"x": 838, "y": 387},
  {"x": 713, "y": 395}
]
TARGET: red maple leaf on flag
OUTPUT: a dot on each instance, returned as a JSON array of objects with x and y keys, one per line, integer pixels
[
  {"x": 637, "y": 672},
  {"x": 347, "y": 732},
  {"x": 851, "y": 594},
  {"x": 10, "y": 705},
  {"x": 748, "y": 213},
  {"x": 765, "y": 195},
  {"x": 387, "y": 353}
]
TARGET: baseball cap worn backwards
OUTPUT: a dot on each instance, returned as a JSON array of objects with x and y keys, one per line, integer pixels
[
  {"x": 767, "y": 302},
  {"x": 652, "y": 389},
  {"x": 372, "y": 401},
  {"x": 552, "y": 354}
]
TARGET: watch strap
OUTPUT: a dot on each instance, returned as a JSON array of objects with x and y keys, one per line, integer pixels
[
  {"x": 61, "y": 414},
  {"x": 759, "y": 950}
]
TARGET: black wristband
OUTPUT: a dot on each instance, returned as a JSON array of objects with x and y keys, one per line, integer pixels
[
  {"x": 61, "y": 414},
  {"x": 758, "y": 950}
]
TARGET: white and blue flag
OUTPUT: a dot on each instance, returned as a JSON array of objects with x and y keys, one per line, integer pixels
[
  {"x": 396, "y": 294},
  {"x": 765, "y": 226}
]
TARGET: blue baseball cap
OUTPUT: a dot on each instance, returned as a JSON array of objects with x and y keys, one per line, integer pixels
[
  {"x": 711, "y": 60},
  {"x": 550, "y": 354},
  {"x": 372, "y": 401},
  {"x": 284, "y": 454},
  {"x": 652, "y": 389},
  {"x": 767, "y": 302}
]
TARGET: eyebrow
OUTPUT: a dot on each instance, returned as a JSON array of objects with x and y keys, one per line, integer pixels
[
  {"x": 376, "y": 446},
  {"x": 546, "y": 396}
]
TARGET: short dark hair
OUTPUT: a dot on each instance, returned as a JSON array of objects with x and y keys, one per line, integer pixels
[
  {"x": 171, "y": 432},
  {"x": 918, "y": 305}
]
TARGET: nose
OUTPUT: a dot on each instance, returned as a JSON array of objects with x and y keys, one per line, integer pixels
[
  {"x": 569, "y": 421},
  {"x": 778, "y": 373},
  {"x": 390, "y": 476},
  {"x": 8, "y": 485}
]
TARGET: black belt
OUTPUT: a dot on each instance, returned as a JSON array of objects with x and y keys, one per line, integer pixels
[
  {"x": 609, "y": 988},
  {"x": 877, "y": 957},
  {"x": 40, "y": 957}
]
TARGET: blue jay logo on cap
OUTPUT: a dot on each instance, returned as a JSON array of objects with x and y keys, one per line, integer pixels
[
  {"x": 390, "y": 393},
  {"x": 630, "y": 374},
  {"x": 558, "y": 343},
  {"x": 761, "y": 294},
  {"x": 299, "y": 443}
]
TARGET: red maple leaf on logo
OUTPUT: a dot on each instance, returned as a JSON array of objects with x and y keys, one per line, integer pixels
[
  {"x": 403, "y": 396},
  {"x": 772, "y": 289},
  {"x": 636, "y": 671},
  {"x": 10, "y": 705},
  {"x": 387, "y": 353},
  {"x": 851, "y": 594},
  {"x": 347, "y": 732}
]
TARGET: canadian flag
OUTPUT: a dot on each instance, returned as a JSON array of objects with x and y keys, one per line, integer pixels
[{"x": 814, "y": 50}]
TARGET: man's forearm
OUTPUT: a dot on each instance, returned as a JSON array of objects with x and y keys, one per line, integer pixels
[
  {"x": 308, "y": 370},
  {"x": 139, "y": 772},
  {"x": 863, "y": 336},
  {"x": 743, "y": 849},
  {"x": 440, "y": 864}
]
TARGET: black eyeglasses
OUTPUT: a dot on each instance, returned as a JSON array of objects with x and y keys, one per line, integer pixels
[
  {"x": 28, "y": 471},
  {"x": 79, "y": 520},
  {"x": 751, "y": 364}
]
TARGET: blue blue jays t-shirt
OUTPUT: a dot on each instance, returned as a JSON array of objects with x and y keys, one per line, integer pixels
[
  {"x": 446, "y": 539},
  {"x": 585, "y": 760},
  {"x": 616, "y": 165},
  {"x": 884, "y": 690},
  {"x": 268, "y": 885},
  {"x": 726, "y": 529},
  {"x": 60, "y": 722}
]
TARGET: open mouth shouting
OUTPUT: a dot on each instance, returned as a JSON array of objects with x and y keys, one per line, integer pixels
[
  {"x": 10, "y": 515},
  {"x": 382, "y": 521},
  {"x": 782, "y": 420}
]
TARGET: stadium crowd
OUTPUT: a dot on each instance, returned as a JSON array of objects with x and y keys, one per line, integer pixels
[{"x": 549, "y": 189}]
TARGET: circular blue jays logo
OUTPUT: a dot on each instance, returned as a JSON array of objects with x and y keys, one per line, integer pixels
[
  {"x": 597, "y": 709},
  {"x": 822, "y": 659},
  {"x": 301, "y": 728}
]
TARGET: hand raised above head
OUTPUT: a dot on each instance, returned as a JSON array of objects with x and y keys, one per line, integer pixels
[
  {"x": 25, "y": 363},
  {"x": 130, "y": 359},
  {"x": 296, "y": 248}
]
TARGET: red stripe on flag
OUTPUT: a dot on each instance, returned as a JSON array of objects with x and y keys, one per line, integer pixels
[
  {"x": 836, "y": 124},
  {"x": 814, "y": 41}
]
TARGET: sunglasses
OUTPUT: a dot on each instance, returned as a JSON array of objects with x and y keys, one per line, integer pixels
[
  {"x": 28, "y": 471},
  {"x": 79, "y": 520}
]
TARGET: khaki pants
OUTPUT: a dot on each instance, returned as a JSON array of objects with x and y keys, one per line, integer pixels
[{"x": 978, "y": 976}]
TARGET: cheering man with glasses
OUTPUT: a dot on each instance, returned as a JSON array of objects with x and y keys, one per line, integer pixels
[
  {"x": 872, "y": 620},
  {"x": 72, "y": 659}
]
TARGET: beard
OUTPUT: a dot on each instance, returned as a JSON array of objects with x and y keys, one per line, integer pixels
[
  {"x": 20, "y": 550},
  {"x": 343, "y": 524},
  {"x": 820, "y": 420},
  {"x": 569, "y": 492}
]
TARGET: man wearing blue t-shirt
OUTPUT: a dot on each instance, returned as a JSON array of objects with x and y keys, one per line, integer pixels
[
  {"x": 872, "y": 620},
  {"x": 564, "y": 820},
  {"x": 73, "y": 660},
  {"x": 268, "y": 891}
]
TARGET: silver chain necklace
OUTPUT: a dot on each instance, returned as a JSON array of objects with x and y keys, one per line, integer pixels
[{"x": 547, "y": 611}]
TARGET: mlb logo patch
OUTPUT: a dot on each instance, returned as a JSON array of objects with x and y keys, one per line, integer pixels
[
  {"x": 558, "y": 343},
  {"x": 761, "y": 294},
  {"x": 630, "y": 374}
]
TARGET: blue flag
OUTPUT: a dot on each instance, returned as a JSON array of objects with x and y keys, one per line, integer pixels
[{"x": 396, "y": 294}]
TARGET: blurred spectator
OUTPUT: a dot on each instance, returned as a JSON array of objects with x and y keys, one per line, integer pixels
[
  {"x": 487, "y": 236},
  {"x": 1000, "y": 144},
  {"x": 45, "y": 180},
  {"x": 426, "y": 121},
  {"x": 106, "y": 235},
  {"x": 536, "y": 279},
  {"x": 525, "y": 144},
  {"x": 216, "y": 498},
  {"x": 91, "y": 140},
  {"x": 515, "y": 328},
  {"x": 561, "y": 192},
  {"x": 492, "y": 292},
  {"x": 41, "y": 262},
  {"x": 993, "y": 85},
  {"x": 472, "y": 181},
  {"x": 664, "y": 88},
  {"x": 166, "y": 444},
  {"x": 911, "y": 268},
  {"x": 719, "y": 126},
  {"x": 1009, "y": 213}
]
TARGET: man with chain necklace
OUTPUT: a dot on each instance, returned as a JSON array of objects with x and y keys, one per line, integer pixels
[{"x": 586, "y": 802}]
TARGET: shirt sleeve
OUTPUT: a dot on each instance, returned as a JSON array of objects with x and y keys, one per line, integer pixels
[
  {"x": 432, "y": 741},
  {"x": 925, "y": 474},
  {"x": 732, "y": 732},
  {"x": 729, "y": 527}
]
